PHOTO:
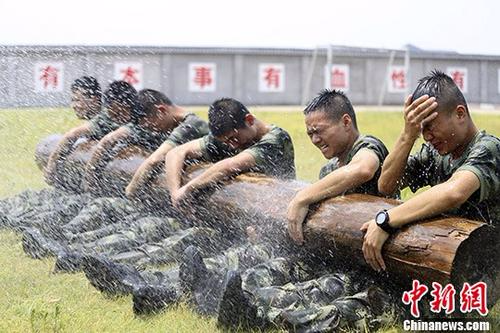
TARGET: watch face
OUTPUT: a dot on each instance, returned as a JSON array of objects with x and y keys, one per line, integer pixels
[{"x": 380, "y": 218}]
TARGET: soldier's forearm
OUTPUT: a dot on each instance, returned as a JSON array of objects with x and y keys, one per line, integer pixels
[
  {"x": 429, "y": 203},
  {"x": 394, "y": 165},
  {"x": 173, "y": 172},
  {"x": 58, "y": 157},
  {"x": 142, "y": 176},
  {"x": 437, "y": 200},
  {"x": 211, "y": 176},
  {"x": 96, "y": 165}
]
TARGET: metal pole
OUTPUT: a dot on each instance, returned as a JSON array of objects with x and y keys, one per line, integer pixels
[
  {"x": 307, "y": 87},
  {"x": 407, "y": 71},
  {"x": 329, "y": 56},
  {"x": 384, "y": 86}
]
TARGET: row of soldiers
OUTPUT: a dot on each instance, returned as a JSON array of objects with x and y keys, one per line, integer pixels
[
  {"x": 457, "y": 156},
  {"x": 254, "y": 283}
]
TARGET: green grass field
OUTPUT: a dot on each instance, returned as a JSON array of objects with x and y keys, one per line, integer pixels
[{"x": 35, "y": 300}]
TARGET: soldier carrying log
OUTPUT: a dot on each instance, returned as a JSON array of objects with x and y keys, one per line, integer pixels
[
  {"x": 159, "y": 124},
  {"x": 355, "y": 160},
  {"x": 460, "y": 162},
  {"x": 238, "y": 142}
]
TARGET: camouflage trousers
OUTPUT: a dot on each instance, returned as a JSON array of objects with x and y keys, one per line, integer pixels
[
  {"x": 286, "y": 291},
  {"x": 259, "y": 265},
  {"x": 322, "y": 305},
  {"x": 41, "y": 209},
  {"x": 170, "y": 249}
]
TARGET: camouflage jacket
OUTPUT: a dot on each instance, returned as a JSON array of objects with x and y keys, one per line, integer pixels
[
  {"x": 363, "y": 142},
  {"x": 273, "y": 153},
  {"x": 481, "y": 157},
  {"x": 100, "y": 125},
  {"x": 190, "y": 128}
]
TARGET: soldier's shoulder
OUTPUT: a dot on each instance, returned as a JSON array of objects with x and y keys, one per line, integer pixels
[
  {"x": 104, "y": 116},
  {"x": 487, "y": 141},
  {"x": 329, "y": 167},
  {"x": 277, "y": 134},
  {"x": 193, "y": 118},
  {"x": 372, "y": 141}
]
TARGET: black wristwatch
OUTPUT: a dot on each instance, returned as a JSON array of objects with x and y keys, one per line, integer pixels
[{"x": 382, "y": 220}]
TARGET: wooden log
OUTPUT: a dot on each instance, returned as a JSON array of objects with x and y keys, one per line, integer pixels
[{"x": 442, "y": 249}]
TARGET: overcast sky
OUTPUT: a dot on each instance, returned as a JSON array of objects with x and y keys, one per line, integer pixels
[{"x": 459, "y": 25}]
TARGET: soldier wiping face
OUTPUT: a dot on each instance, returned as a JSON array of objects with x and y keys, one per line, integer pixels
[{"x": 445, "y": 129}]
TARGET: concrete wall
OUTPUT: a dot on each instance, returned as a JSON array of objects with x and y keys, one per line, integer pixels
[{"x": 237, "y": 74}]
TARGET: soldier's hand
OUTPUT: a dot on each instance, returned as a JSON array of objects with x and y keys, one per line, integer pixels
[
  {"x": 252, "y": 235},
  {"x": 296, "y": 214},
  {"x": 417, "y": 114},
  {"x": 373, "y": 241},
  {"x": 131, "y": 190},
  {"x": 49, "y": 176},
  {"x": 177, "y": 197}
]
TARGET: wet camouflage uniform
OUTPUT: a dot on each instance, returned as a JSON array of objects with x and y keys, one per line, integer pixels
[
  {"x": 68, "y": 226},
  {"x": 56, "y": 235},
  {"x": 41, "y": 209},
  {"x": 258, "y": 281},
  {"x": 168, "y": 250},
  {"x": 101, "y": 125},
  {"x": 266, "y": 270},
  {"x": 481, "y": 157},
  {"x": 363, "y": 142},
  {"x": 190, "y": 128},
  {"x": 111, "y": 227},
  {"x": 118, "y": 272},
  {"x": 273, "y": 153},
  {"x": 322, "y": 304}
]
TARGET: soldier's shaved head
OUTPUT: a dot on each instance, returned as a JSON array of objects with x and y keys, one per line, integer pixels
[
  {"x": 123, "y": 93},
  {"x": 226, "y": 114},
  {"x": 334, "y": 103},
  {"x": 439, "y": 85},
  {"x": 149, "y": 98},
  {"x": 88, "y": 85}
]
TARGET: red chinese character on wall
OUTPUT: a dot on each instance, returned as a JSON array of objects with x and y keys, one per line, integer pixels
[
  {"x": 399, "y": 79},
  {"x": 413, "y": 296},
  {"x": 459, "y": 78},
  {"x": 474, "y": 298},
  {"x": 203, "y": 76},
  {"x": 49, "y": 77},
  {"x": 443, "y": 298},
  {"x": 338, "y": 79},
  {"x": 129, "y": 75},
  {"x": 272, "y": 77}
]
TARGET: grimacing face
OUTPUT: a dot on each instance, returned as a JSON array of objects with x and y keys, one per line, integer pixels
[
  {"x": 85, "y": 107},
  {"x": 330, "y": 137},
  {"x": 444, "y": 133}
]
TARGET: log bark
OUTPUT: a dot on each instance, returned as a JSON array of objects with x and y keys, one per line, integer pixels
[{"x": 442, "y": 249}]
